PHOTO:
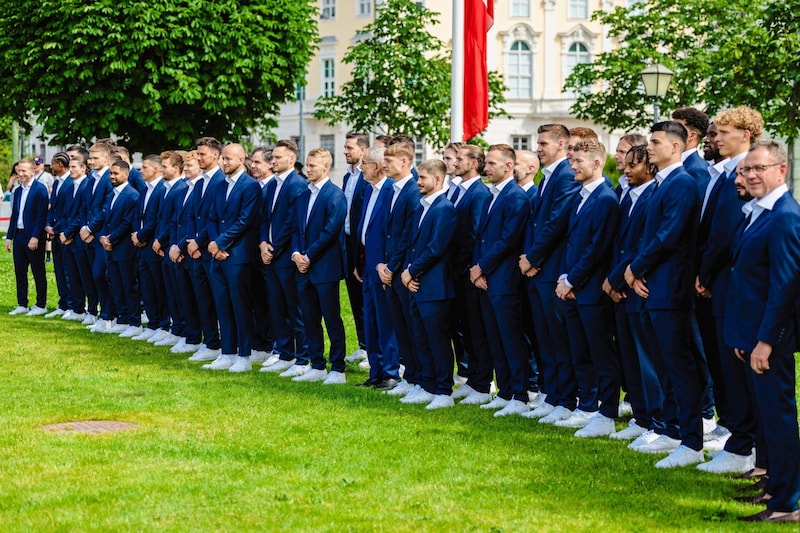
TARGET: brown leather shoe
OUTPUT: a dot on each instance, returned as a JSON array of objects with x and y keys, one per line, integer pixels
[
  {"x": 753, "y": 473},
  {"x": 761, "y": 497},
  {"x": 768, "y": 515},
  {"x": 759, "y": 485}
]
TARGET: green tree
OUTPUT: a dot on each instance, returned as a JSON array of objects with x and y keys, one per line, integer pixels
[
  {"x": 400, "y": 78},
  {"x": 154, "y": 72}
]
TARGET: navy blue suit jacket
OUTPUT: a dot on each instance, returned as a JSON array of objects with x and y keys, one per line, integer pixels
[
  {"x": 233, "y": 222},
  {"x": 764, "y": 280},
  {"x": 499, "y": 239},
  {"x": 469, "y": 210},
  {"x": 397, "y": 229},
  {"x": 697, "y": 167},
  {"x": 58, "y": 202},
  {"x": 547, "y": 226},
  {"x": 321, "y": 237},
  {"x": 148, "y": 215},
  {"x": 280, "y": 217},
  {"x": 167, "y": 217},
  {"x": 428, "y": 251},
  {"x": 589, "y": 246},
  {"x": 121, "y": 220},
  {"x": 665, "y": 258},
  {"x": 34, "y": 217},
  {"x": 95, "y": 215},
  {"x": 375, "y": 242},
  {"x": 136, "y": 180},
  {"x": 76, "y": 208},
  {"x": 183, "y": 227},
  {"x": 201, "y": 210}
]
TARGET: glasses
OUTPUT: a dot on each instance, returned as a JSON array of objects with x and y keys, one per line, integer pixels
[{"x": 758, "y": 169}]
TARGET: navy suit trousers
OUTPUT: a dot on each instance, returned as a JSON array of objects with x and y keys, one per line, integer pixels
[
  {"x": 24, "y": 258},
  {"x": 382, "y": 351}
]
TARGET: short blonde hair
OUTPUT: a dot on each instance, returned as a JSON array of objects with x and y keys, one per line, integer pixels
[
  {"x": 321, "y": 153},
  {"x": 591, "y": 146}
]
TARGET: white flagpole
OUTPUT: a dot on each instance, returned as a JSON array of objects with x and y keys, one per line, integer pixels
[{"x": 457, "y": 74}]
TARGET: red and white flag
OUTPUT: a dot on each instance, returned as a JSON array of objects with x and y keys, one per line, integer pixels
[{"x": 478, "y": 17}]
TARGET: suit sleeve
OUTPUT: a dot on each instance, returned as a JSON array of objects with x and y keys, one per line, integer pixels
[
  {"x": 784, "y": 256},
  {"x": 549, "y": 235},
  {"x": 603, "y": 228},
  {"x": 335, "y": 212},
  {"x": 246, "y": 218},
  {"x": 516, "y": 210},
  {"x": 726, "y": 219},
  {"x": 410, "y": 206},
  {"x": 444, "y": 227},
  {"x": 283, "y": 240}
]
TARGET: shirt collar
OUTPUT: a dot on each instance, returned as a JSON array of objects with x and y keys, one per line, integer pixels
[
  {"x": 233, "y": 178},
  {"x": 194, "y": 181},
  {"x": 118, "y": 189},
  {"x": 468, "y": 183},
  {"x": 637, "y": 191},
  {"x": 502, "y": 185},
  {"x": 731, "y": 163},
  {"x": 747, "y": 208},
  {"x": 549, "y": 169},
  {"x": 589, "y": 188},
  {"x": 208, "y": 175},
  {"x": 378, "y": 186},
  {"x": 398, "y": 185},
  {"x": 156, "y": 181},
  {"x": 685, "y": 155},
  {"x": 319, "y": 185},
  {"x": 354, "y": 170},
  {"x": 716, "y": 169},
  {"x": 527, "y": 186},
  {"x": 768, "y": 202},
  {"x": 98, "y": 173},
  {"x": 455, "y": 181},
  {"x": 623, "y": 182},
  {"x": 428, "y": 200},
  {"x": 662, "y": 174},
  {"x": 281, "y": 177}
]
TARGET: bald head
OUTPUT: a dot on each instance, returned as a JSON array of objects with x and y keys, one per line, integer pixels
[
  {"x": 526, "y": 168},
  {"x": 233, "y": 156}
]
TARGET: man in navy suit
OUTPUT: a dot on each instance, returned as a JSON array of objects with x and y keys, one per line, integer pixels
[
  {"x": 760, "y": 320},
  {"x": 62, "y": 187},
  {"x": 26, "y": 234},
  {"x": 318, "y": 251},
  {"x": 588, "y": 311},
  {"x": 121, "y": 218},
  {"x": 472, "y": 198},
  {"x": 398, "y": 158},
  {"x": 626, "y": 142},
  {"x": 135, "y": 178},
  {"x": 426, "y": 276},
  {"x": 275, "y": 242},
  {"x": 382, "y": 351},
  {"x": 354, "y": 187},
  {"x": 231, "y": 234},
  {"x": 643, "y": 390},
  {"x": 541, "y": 264},
  {"x": 661, "y": 273},
  {"x": 495, "y": 271},
  {"x": 151, "y": 277},
  {"x": 696, "y": 124}
]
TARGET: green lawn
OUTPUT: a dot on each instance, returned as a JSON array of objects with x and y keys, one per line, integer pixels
[{"x": 222, "y": 452}]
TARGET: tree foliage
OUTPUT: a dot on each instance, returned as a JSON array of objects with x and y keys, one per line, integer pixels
[
  {"x": 154, "y": 72},
  {"x": 723, "y": 53},
  {"x": 400, "y": 78}
]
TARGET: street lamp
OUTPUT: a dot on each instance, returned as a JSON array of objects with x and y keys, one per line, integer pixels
[{"x": 656, "y": 80}]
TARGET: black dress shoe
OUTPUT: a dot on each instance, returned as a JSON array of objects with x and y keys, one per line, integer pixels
[
  {"x": 387, "y": 384},
  {"x": 371, "y": 382},
  {"x": 761, "y": 497},
  {"x": 768, "y": 515}
]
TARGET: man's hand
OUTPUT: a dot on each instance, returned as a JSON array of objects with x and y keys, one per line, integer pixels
[
  {"x": 482, "y": 283},
  {"x": 384, "y": 273},
  {"x": 156, "y": 247},
  {"x": 266, "y": 252},
  {"x": 175, "y": 254},
  {"x": 563, "y": 291},
  {"x": 475, "y": 272},
  {"x": 33, "y": 244},
  {"x": 702, "y": 291},
  {"x": 759, "y": 357},
  {"x": 105, "y": 242},
  {"x": 640, "y": 288},
  {"x": 8, "y": 245},
  {"x": 85, "y": 234},
  {"x": 302, "y": 261}
]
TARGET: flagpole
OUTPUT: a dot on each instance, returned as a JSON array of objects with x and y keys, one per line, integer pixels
[{"x": 457, "y": 74}]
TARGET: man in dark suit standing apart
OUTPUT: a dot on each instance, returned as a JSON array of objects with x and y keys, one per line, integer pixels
[
  {"x": 589, "y": 313},
  {"x": 495, "y": 271},
  {"x": 354, "y": 188},
  {"x": 231, "y": 236},
  {"x": 26, "y": 234},
  {"x": 275, "y": 242},
  {"x": 541, "y": 263},
  {"x": 661, "y": 273},
  {"x": 318, "y": 251},
  {"x": 428, "y": 279},
  {"x": 121, "y": 218},
  {"x": 761, "y": 321},
  {"x": 469, "y": 205},
  {"x": 62, "y": 188}
]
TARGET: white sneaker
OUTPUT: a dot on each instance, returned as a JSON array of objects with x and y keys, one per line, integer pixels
[
  {"x": 558, "y": 413},
  {"x": 335, "y": 378},
  {"x": 89, "y": 320},
  {"x": 68, "y": 314},
  {"x": 631, "y": 432},
  {"x": 476, "y": 398},
  {"x": 117, "y": 328},
  {"x": 413, "y": 391},
  {"x": 182, "y": 347},
  {"x": 401, "y": 389},
  {"x": 144, "y": 335},
  {"x": 716, "y": 439},
  {"x": 223, "y": 362},
  {"x": 278, "y": 366},
  {"x": 57, "y": 312},
  {"x": 271, "y": 360},
  {"x": 440, "y": 401},
  {"x": 259, "y": 356},
  {"x": 514, "y": 407},
  {"x": 168, "y": 340},
  {"x": 19, "y": 310},
  {"x": 205, "y": 354},
  {"x": 725, "y": 462},
  {"x": 364, "y": 365},
  {"x": 681, "y": 456},
  {"x": 543, "y": 410},
  {"x": 709, "y": 425},
  {"x": 36, "y": 311},
  {"x": 645, "y": 438},
  {"x": 157, "y": 336},
  {"x": 661, "y": 445},
  {"x": 358, "y": 355},
  {"x": 598, "y": 426},
  {"x": 496, "y": 403},
  {"x": 312, "y": 375},
  {"x": 241, "y": 364},
  {"x": 419, "y": 398},
  {"x": 131, "y": 331},
  {"x": 295, "y": 370},
  {"x": 535, "y": 399},
  {"x": 101, "y": 326},
  {"x": 461, "y": 380},
  {"x": 111, "y": 325},
  {"x": 625, "y": 409},
  {"x": 143, "y": 318},
  {"x": 578, "y": 419},
  {"x": 462, "y": 392}
]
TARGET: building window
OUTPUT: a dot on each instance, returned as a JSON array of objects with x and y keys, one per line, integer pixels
[
  {"x": 520, "y": 71},
  {"x": 328, "y": 142},
  {"x": 520, "y": 8},
  {"x": 521, "y": 142},
  {"x": 363, "y": 8},
  {"x": 579, "y": 9},
  {"x": 328, "y": 9},
  {"x": 578, "y": 53},
  {"x": 328, "y": 77},
  {"x": 419, "y": 150}
]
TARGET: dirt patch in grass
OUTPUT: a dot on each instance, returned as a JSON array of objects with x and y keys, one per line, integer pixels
[{"x": 89, "y": 426}]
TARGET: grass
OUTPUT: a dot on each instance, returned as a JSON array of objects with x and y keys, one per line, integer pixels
[{"x": 221, "y": 452}]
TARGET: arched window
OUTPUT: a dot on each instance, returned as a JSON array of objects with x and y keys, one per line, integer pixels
[
  {"x": 577, "y": 54},
  {"x": 519, "y": 74}
]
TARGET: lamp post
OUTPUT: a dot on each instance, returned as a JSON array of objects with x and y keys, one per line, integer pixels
[{"x": 656, "y": 80}]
